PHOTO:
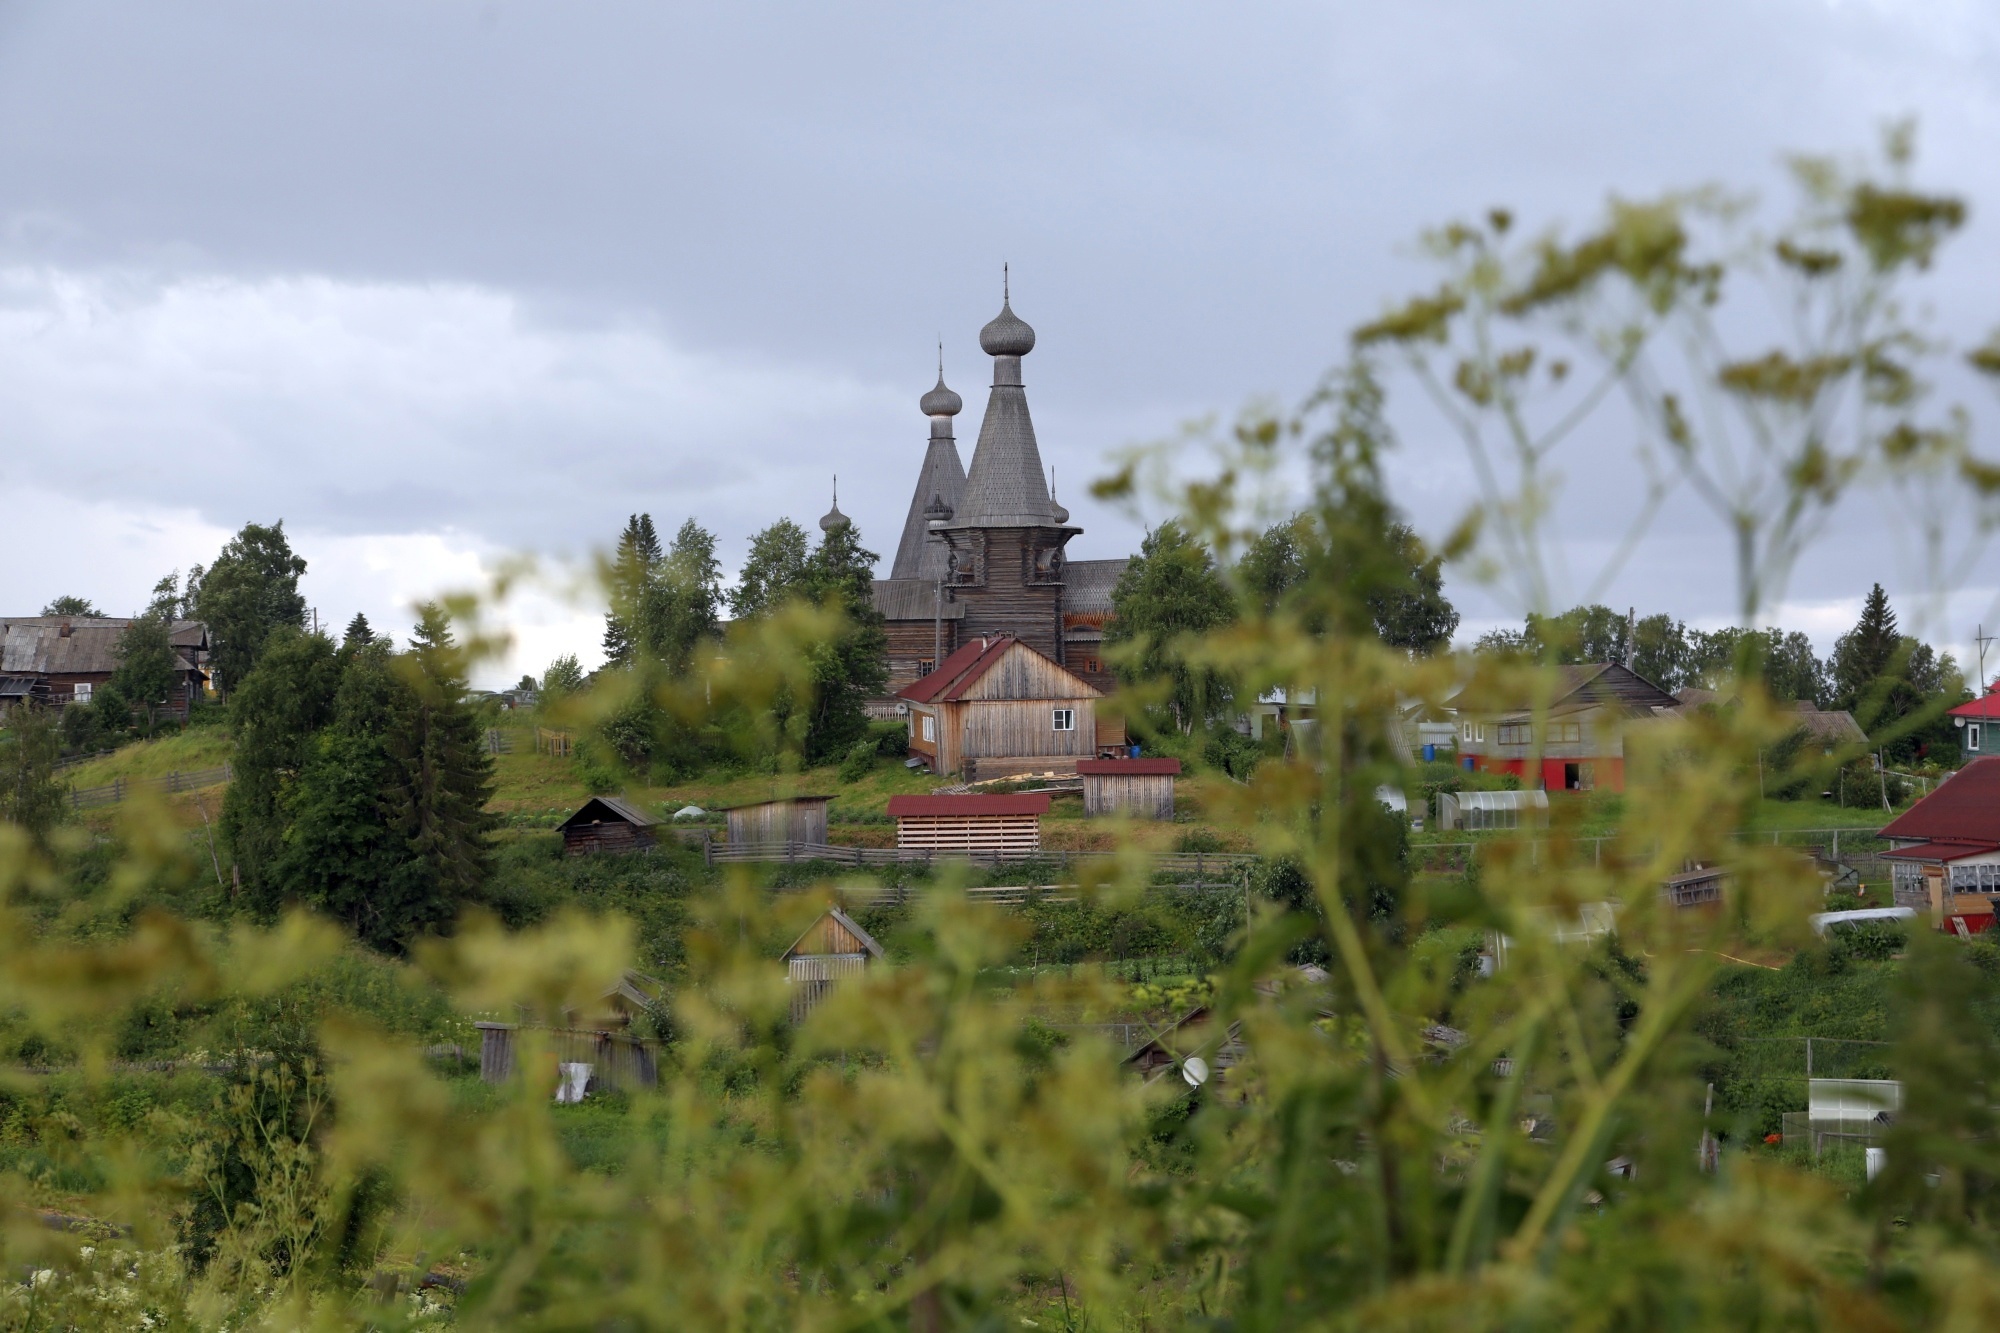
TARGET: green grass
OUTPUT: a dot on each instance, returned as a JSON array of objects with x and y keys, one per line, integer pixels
[{"x": 182, "y": 752}]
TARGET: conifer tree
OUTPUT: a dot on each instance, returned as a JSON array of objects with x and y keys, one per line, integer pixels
[
  {"x": 632, "y": 567},
  {"x": 359, "y": 631},
  {"x": 850, "y": 668},
  {"x": 276, "y": 715}
]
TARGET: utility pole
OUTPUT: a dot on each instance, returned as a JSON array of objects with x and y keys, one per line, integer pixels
[{"x": 1982, "y": 638}]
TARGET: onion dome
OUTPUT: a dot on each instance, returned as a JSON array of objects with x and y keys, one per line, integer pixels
[
  {"x": 1007, "y": 334},
  {"x": 1056, "y": 511},
  {"x": 834, "y": 520},
  {"x": 937, "y": 511},
  {"x": 941, "y": 402}
]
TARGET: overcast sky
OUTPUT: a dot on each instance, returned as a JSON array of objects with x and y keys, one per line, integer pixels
[{"x": 436, "y": 282}]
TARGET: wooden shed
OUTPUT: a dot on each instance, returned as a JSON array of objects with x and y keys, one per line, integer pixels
[
  {"x": 996, "y": 707},
  {"x": 607, "y": 824},
  {"x": 600, "y": 1037},
  {"x": 987, "y": 825},
  {"x": 792, "y": 819},
  {"x": 1143, "y": 788},
  {"x": 831, "y": 948}
]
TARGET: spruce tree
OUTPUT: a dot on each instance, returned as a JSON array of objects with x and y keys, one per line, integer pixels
[
  {"x": 632, "y": 568},
  {"x": 276, "y": 714},
  {"x": 1866, "y": 652},
  {"x": 359, "y": 631},
  {"x": 442, "y": 781},
  {"x": 849, "y": 668}
]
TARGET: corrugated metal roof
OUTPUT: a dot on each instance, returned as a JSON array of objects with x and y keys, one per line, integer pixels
[
  {"x": 1965, "y": 808},
  {"x": 1985, "y": 706},
  {"x": 972, "y": 806}
]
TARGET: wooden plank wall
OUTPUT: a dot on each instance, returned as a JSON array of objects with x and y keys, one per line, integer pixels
[
  {"x": 779, "y": 821},
  {"x": 1007, "y": 600},
  {"x": 827, "y": 936},
  {"x": 1017, "y": 834},
  {"x": 1004, "y": 728},
  {"x": 910, "y": 641},
  {"x": 1140, "y": 795},
  {"x": 1021, "y": 674}
]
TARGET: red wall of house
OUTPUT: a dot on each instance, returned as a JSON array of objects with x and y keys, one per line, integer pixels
[{"x": 1606, "y": 774}]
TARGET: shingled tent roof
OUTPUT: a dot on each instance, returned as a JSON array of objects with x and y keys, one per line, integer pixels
[
  {"x": 1006, "y": 486},
  {"x": 941, "y": 480}
]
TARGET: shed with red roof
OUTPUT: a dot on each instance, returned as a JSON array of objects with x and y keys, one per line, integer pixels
[
  {"x": 996, "y": 707},
  {"x": 987, "y": 825},
  {"x": 1143, "y": 788}
]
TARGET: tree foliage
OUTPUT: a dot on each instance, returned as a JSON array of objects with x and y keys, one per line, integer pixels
[
  {"x": 1170, "y": 593},
  {"x": 247, "y": 595},
  {"x": 80, "y": 607},
  {"x": 33, "y": 797}
]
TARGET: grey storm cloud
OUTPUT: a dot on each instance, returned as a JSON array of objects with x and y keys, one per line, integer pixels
[{"x": 511, "y": 271}]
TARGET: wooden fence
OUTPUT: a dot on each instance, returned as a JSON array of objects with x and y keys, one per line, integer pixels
[
  {"x": 83, "y": 798},
  {"x": 1199, "y": 865}
]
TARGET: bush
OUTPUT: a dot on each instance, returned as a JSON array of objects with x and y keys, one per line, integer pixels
[
  {"x": 892, "y": 739},
  {"x": 859, "y": 761}
]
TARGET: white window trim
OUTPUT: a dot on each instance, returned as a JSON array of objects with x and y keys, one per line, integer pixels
[
  {"x": 1062, "y": 719},
  {"x": 1972, "y": 735},
  {"x": 81, "y": 692},
  {"x": 927, "y": 728}
]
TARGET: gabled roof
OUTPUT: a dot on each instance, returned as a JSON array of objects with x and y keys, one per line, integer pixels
[
  {"x": 1136, "y": 768},
  {"x": 1964, "y": 809},
  {"x": 1985, "y": 706},
  {"x": 969, "y": 806},
  {"x": 599, "y": 808},
  {"x": 970, "y": 662},
  {"x": 966, "y": 664},
  {"x": 1581, "y": 686},
  {"x": 846, "y": 923},
  {"x": 82, "y": 645}
]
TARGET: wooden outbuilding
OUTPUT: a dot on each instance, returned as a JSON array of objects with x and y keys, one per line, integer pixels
[
  {"x": 791, "y": 819},
  {"x": 600, "y": 1037},
  {"x": 997, "y": 707},
  {"x": 1142, "y": 788},
  {"x": 983, "y": 825},
  {"x": 607, "y": 824},
  {"x": 832, "y": 948}
]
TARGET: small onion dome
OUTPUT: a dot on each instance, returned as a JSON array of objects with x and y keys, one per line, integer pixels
[
  {"x": 1057, "y": 512},
  {"x": 834, "y": 520},
  {"x": 941, "y": 402},
  {"x": 937, "y": 511},
  {"x": 1007, "y": 335}
]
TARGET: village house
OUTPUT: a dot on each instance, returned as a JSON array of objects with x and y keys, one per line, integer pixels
[
  {"x": 998, "y": 706},
  {"x": 60, "y": 660},
  {"x": 1975, "y": 720},
  {"x": 1575, "y": 743},
  {"x": 1945, "y": 849}
]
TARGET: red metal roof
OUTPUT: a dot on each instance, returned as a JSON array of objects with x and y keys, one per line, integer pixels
[
  {"x": 1138, "y": 768},
  {"x": 1985, "y": 706},
  {"x": 932, "y": 807},
  {"x": 1942, "y": 851},
  {"x": 966, "y": 664},
  {"x": 1965, "y": 808}
]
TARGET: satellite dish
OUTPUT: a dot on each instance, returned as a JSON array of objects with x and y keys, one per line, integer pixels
[{"x": 1195, "y": 1070}]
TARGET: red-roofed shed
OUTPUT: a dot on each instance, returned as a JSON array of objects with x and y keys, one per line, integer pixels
[
  {"x": 997, "y": 707},
  {"x": 1140, "y": 787},
  {"x": 988, "y": 825}
]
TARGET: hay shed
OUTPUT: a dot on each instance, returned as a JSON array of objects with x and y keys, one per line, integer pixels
[
  {"x": 832, "y": 948},
  {"x": 607, "y": 824},
  {"x": 971, "y": 825},
  {"x": 1142, "y": 788}
]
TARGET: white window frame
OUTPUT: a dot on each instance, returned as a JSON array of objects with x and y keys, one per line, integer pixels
[
  {"x": 1972, "y": 735},
  {"x": 927, "y": 728},
  {"x": 1062, "y": 719},
  {"x": 81, "y": 692}
]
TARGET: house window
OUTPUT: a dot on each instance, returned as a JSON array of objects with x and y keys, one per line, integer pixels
[
  {"x": 925, "y": 666},
  {"x": 82, "y": 694},
  {"x": 1065, "y": 719},
  {"x": 1571, "y": 732},
  {"x": 1972, "y": 735},
  {"x": 927, "y": 728},
  {"x": 1092, "y": 665},
  {"x": 1975, "y": 879}
]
